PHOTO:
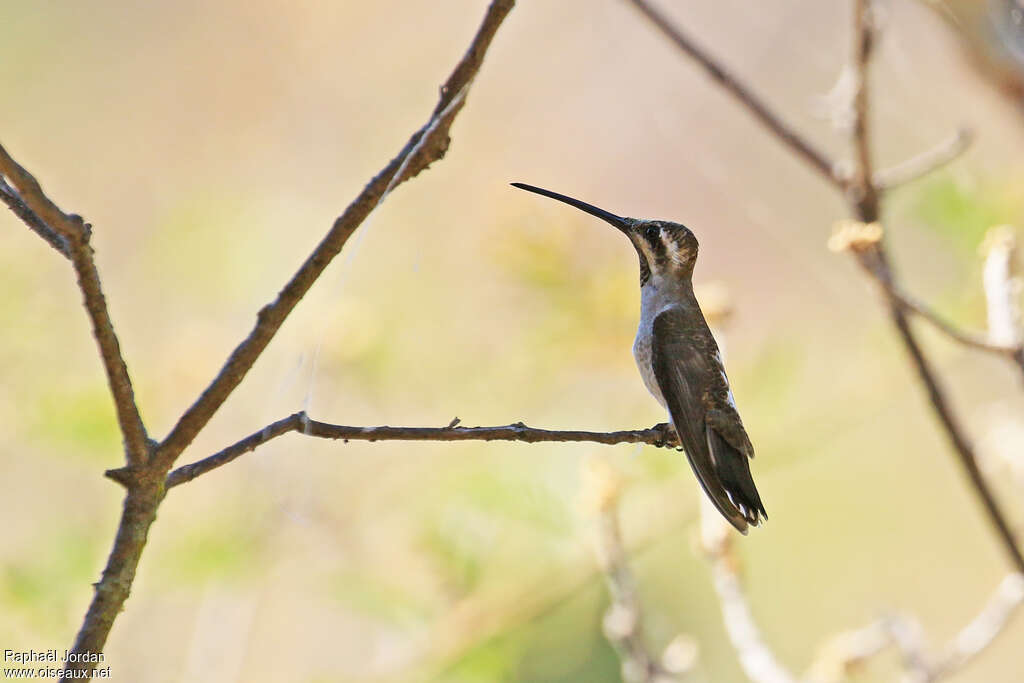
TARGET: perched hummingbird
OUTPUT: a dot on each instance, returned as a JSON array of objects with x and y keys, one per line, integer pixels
[{"x": 681, "y": 365}]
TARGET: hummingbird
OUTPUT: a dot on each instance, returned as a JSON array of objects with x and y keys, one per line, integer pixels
[{"x": 681, "y": 365}]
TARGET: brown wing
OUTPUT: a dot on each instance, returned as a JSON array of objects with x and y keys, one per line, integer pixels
[{"x": 685, "y": 364}]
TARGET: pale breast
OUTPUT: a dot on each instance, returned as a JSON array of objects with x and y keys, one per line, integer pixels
[{"x": 644, "y": 357}]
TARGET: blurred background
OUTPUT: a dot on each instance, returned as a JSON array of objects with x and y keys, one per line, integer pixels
[{"x": 212, "y": 144}]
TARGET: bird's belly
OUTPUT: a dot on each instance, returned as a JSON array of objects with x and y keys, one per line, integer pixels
[{"x": 643, "y": 355}]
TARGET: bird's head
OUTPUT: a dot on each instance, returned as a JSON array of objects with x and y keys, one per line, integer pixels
[{"x": 667, "y": 250}]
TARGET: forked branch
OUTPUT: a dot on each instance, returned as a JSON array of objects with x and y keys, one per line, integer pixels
[
  {"x": 70, "y": 235},
  {"x": 863, "y": 196},
  {"x": 427, "y": 145},
  {"x": 145, "y": 476}
]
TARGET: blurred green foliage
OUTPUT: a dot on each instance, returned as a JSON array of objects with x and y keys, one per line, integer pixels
[
  {"x": 962, "y": 212},
  {"x": 40, "y": 588}
]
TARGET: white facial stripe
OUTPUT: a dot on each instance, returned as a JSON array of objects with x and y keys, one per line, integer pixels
[{"x": 672, "y": 249}]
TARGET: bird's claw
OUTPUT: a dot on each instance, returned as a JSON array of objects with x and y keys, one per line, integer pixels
[{"x": 667, "y": 437}]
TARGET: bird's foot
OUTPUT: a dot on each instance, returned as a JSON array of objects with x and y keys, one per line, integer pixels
[{"x": 667, "y": 437}]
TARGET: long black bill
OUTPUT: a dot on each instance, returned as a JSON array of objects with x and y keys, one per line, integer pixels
[{"x": 618, "y": 221}]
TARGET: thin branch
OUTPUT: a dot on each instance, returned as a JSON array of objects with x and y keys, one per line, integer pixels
[
  {"x": 299, "y": 422},
  {"x": 865, "y": 203},
  {"x": 983, "y": 629},
  {"x": 756, "y": 658},
  {"x": 921, "y": 165},
  {"x": 974, "y": 340},
  {"x": 846, "y": 651},
  {"x": 981, "y": 342},
  {"x": 957, "y": 437},
  {"x": 128, "y": 417},
  {"x": 623, "y": 620},
  {"x": 427, "y": 145},
  {"x": 744, "y": 95},
  {"x": 1003, "y": 288},
  {"x": 32, "y": 194},
  {"x": 10, "y": 197},
  {"x": 861, "y": 191},
  {"x": 865, "y": 239},
  {"x": 147, "y": 487},
  {"x": 76, "y": 233}
]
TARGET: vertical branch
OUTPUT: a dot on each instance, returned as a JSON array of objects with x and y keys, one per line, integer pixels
[
  {"x": 862, "y": 190},
  {"x": 114, "y": 586},
  {"x": 1003, "y": 288},
  {"x": 874, "y": 259},
  {"x": 755, "y": 656},
  {"x": 136, "y": 442},
  {"x": 623, "y": 621},
  {"x": 864, "y": 201}
]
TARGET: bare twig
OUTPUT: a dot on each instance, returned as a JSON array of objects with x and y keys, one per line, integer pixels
[
  {"x": 76, "y": 233},
  {"x": 623, "y": 621},
  {"x": 983, "y": 629},
  {"x": 762, "y": 112},
  {"x": 981, "y": 342},
  {"x": 864, "y": 201},
  {"x": 146, "y": 484},
  {"x": 34, "y": 197},
  {"x": 756, "y": 658},
  {"x": 1003, "y": 288},
  {"x": 426, "y": 146},
  {"x": 846, "y": 651},
  {"x": 136, "y": 441},
  {"x": 300, "y": 422},
  {"x": 958, "y": 439},
  {"x": 861, "y": 191},
  {"x": 10, "y": 197},
  {"x": 924, "y": 163},
  {"x": 864, "y": 239}
]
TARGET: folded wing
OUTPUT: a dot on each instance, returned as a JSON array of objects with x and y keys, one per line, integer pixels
[{"x": 690, "y": 377}]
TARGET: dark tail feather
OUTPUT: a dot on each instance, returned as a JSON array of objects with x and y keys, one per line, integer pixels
[{"x": 733, "y": 470}]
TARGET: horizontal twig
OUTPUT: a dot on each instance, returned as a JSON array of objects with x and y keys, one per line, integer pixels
[
  {"x": 658, "y": 435},
  {"x": 924, "y": 163}
]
